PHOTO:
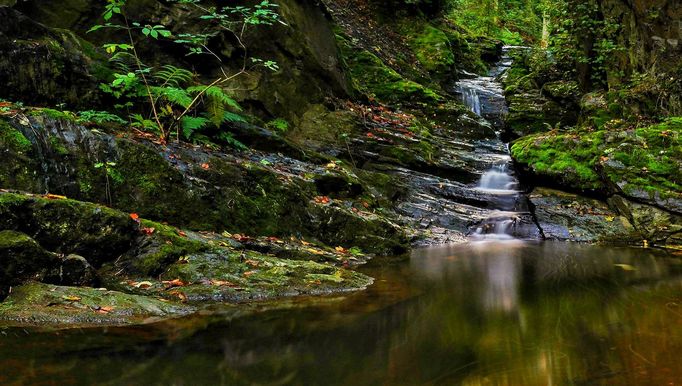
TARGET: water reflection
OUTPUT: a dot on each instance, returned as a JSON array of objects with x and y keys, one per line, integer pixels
[{"x": 507, "y": 313}]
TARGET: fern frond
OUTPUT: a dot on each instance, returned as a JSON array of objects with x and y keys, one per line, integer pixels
[
  {"x": 232, "y": 141},
  {"x": 216, "y": 93},
  {"x": 172, "y": 76},
  {"x": 215, "y": 109},
  {"x": 173, "y": 95},
  {"x": 191, "y": 124},
  {"x": 232, "y": 117}
]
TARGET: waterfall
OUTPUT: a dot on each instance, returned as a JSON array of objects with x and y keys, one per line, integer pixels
[
  {"x": 484, "y": 96},
  {"x": 497, "y": 179},
  {"x": 472, "y": 99}
]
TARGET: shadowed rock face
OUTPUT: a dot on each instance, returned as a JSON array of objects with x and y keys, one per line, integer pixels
[
  {"x": 42, "y": 66},
  {"x": 253, "y": 193},
  {"x": 651, "y": 32}
]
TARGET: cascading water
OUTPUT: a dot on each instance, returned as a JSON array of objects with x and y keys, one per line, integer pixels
[
  {"x": 484, "y": 96},
  {"x": 472, "y": 99},
  {"x": 497, "y": 179}
]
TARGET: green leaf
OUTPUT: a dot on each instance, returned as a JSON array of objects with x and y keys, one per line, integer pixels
[
  {"x": 232, "y": 117},
  {"x": 173, "y": 76},
  {"x": 173, "y": 95},
  {"x": 191, "y": 124}
]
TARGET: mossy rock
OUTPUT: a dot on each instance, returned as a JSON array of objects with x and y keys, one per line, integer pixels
[
  {"x": 68, "y": 226},
  {"x": 564, "y": 159},
  {"x": 19, "y": 164},
  {"x": 22, "y": 259},
  {"x": 371, "y": 77},
  {"x": 432, "y": 48},
  {"x": 531, "y": 113},
  {"x": 43, "y": 65},
  {"x": 563, "y": 91},
  {"x": 242, "y": 276},
  {"x": 57, "y": 306},
  {"x": 643, "y": 163},
  {"x": 318, "y": 126}
]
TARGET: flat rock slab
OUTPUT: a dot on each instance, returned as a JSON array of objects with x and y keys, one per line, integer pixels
[{"x": 44, "y": 304}]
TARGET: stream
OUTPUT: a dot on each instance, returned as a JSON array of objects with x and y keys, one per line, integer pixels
[
  {"x": 503, "y": 309},
  {"x": 512, "y": 313},
  {"x": 510, "y": 217}
]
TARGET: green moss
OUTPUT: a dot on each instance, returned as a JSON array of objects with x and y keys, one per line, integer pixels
[
  {"x": 58, "y": 146},
  {"x": 55, "y": 114},
  {"x": 564, "y": 157},
  {"x": 647, "y": 159},
  {"x": 13, "y": 139},
  {"x": 370, "y": 76},
  {"x": 432, "y": 47},
  {"x": 43, "y": 304}
]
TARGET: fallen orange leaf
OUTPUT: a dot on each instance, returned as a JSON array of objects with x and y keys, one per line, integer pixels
[
  {"x": 222, "y": 283},
  {"x": 180, "y": 295},
  {"x": 174, "y": 283},
  {"x": 55, "y": 197},
  {"x": 322, "y": 200},
  {"x": 148, "y": 231}
]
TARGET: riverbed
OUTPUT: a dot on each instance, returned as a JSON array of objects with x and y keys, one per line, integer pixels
[{"x": 492, "y": 312}]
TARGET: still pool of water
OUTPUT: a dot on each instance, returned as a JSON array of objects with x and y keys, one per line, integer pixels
[{"x": 493, "y": 313}]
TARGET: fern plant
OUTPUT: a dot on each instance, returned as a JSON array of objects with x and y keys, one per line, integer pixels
[{"x": 177, "y": 102}]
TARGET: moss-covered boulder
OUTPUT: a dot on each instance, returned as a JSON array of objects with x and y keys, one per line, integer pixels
[
  {"x": 563, "y": 159},
  {"x": 22, "y": 259},
  {"x": 570, "y": 217},
  {"x": 432, "y": 48},
  {"x": 67, "y": 226},
  {"x": 531, "y": 113},
  {"x": 37, "y": 304},
  {"x": 642, "y": 163}
]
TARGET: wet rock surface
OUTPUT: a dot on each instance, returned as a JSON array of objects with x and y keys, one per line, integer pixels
[{"x": 570, "y": 217}]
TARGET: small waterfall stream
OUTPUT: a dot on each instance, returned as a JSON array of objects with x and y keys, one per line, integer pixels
[{"x": 484, "y": 96}]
